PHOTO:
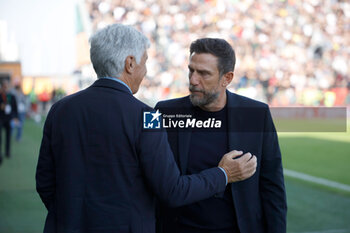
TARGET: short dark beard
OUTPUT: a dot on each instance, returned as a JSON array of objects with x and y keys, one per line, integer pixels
[{"x": 208, "y": 97}]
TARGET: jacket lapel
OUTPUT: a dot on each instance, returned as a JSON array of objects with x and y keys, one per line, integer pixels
[
  {"x": 233, "y": 122},
  {"x": 234, "y": 139},
  {"x": 184, "y": 139},
  {"x": 184, "y": 146}
]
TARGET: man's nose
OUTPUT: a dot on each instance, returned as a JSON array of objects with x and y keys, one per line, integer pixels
[{"x": 194, "y": 79}]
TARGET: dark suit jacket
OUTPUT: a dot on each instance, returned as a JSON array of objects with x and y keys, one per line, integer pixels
[
  {"x": 99, "y": 171},
  {"x": 260, "y": 201}
]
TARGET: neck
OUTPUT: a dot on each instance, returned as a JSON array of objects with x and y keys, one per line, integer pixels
[{"x": 126, "y": 80}]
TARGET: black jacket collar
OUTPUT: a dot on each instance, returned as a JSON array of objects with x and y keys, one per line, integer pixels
[{"x": 103, "y": 82}]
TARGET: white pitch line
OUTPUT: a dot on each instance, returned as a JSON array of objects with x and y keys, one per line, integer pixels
[{"x": 317, "y": 180}]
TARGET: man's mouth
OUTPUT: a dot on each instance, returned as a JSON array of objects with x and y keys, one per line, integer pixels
[{"x": 196, "y": 91}]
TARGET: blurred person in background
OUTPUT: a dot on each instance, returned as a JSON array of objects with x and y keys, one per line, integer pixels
[
  {"x": 34, "y": 107},
  {"x": 98, "y": 170},
  {"x": 8, "y": 112},
  {"x": 256, "y": 205},
  {"x": 44, "y": 98},
  {"x": 56, "y": 95},
  {"x": 22, "y": 108}
]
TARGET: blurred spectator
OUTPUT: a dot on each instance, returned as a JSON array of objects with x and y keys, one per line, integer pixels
[
  {"x": 347, "y": 100},
  {"x": 34, "y": 113},
  {"x": 8, "y": 112},
  {"x": 56, "y": 95},
  {"x": 44, "y": 98},
  {"x": 22, "y": 107},
  {"x": 299, "y": 50}
]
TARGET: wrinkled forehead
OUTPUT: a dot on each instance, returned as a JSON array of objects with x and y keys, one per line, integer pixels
[{"x": 203, "y": 61}]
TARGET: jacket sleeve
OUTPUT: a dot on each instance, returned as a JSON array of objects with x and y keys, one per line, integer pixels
[
  {"x": 163, "y": 175},
  {"x": 272, "y": 181},
  {"x": 45, "y": 171}
]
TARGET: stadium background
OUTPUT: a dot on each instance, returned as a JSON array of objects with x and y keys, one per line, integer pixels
[{"x": 289, "y": 53}]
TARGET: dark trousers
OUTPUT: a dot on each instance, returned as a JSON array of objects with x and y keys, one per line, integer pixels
[{"x": 7, "y": 126}]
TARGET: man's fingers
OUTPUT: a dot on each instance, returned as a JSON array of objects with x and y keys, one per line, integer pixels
[
  {"x": 252, "y": 162},
  {"x": 233, "y": 154},
  {"x": 240, "y": 168},
  {"x": 255, "y": 164},
  {"x": 250, "y": 166},
  {"x": 246, "y": 157}
]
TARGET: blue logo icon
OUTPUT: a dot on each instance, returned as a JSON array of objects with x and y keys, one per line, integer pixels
[{"x": 152, "y": 120}]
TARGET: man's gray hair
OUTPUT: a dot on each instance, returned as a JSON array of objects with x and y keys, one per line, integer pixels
[{"x": 110, "y": 47}]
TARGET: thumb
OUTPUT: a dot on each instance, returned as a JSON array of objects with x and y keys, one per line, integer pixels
[{"x": 234, "y": 153}]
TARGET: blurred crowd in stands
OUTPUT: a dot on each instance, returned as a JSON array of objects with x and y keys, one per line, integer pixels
[{"x": 289, "y": 52}]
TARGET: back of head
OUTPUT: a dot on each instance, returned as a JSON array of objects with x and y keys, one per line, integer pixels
[
  {"x": 220, "y": 49},
  {"x": 111, "y": 45}
]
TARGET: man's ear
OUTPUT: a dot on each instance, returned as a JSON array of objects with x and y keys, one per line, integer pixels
[
  {"x": 227, "y": 78},
  {"x": 130, "y": 64}
]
